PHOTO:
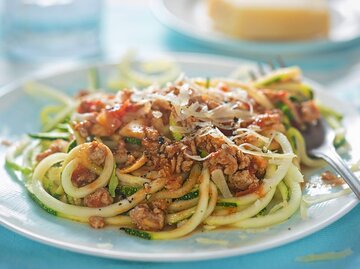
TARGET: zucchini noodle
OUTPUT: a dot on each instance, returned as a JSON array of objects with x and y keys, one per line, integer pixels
[
  {"x": 196, "y": 218},
  {"x": 47, "y": 111},
  {"x": 252, "y": 210},
  {"x": 140, "y": 162},
  {"x": 184, "y": 214},
  {"x": 181, "y": 215},
  {"x": 280, "y": 215},
  {"x": 212, "y": 201},
  {"x": 271, "y": 182},
  {"x": 188, "y": 185},
  {"x": 120, "y": 221},
  {"x": 65, "y": 112},
  {"x": 182, "y": 205},
  {"x": 257, "y": 95},
  {"x": 301, "y": 149},
  {"x": 130, "y": 180},
  {"x": 74, "y": 212},
  {"x": 38, "y": 89},
  {"x": 172, "y": 157},
  {"x": 81, "y": 192},
  {"x": 13, "y": 152}
]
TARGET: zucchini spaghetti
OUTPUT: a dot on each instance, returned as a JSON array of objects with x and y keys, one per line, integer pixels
[{"x": 161, "y": 161}]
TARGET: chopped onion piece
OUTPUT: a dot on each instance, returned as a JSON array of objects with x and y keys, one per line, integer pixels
[
  {"x": 217, "y": 176},
  {"x": 258, "y": 152}
]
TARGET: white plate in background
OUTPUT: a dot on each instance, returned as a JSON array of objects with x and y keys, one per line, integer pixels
[{"x": 190, "y": 18}]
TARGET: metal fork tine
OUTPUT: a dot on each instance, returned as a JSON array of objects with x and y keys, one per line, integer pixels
[
  {"x": 252, "y": 75},
  {"x": 271, "y": 64},
  {"x": 280, "y": 61},
  {"x": 261, "y": 69}
]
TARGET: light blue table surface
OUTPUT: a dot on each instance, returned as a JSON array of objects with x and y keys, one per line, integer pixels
[{"x": 131, "y": 25}]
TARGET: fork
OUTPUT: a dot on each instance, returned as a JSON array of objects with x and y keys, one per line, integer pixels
[
  {"x": 319, "y": 139},
  {"x": 264, "y": 68}
]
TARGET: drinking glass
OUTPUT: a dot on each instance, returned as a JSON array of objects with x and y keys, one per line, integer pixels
[{"x": 45, "y": 30}]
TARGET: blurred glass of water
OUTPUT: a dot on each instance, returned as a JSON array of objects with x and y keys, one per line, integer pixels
[{"x": 45, "y": 30}]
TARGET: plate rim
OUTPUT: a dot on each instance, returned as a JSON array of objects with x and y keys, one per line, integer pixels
[
  {"x": 155, "y": 257},
  {"x": 171, "y": 21}
]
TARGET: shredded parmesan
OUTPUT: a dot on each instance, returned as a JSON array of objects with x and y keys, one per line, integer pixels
[
  {"x": 207, "y": 241},
  {"x": 310, "y": 200},
  {"x": 157, "y": 114},
  {"x": 105, "y": 245},
  {"x": 325, "y": 256}
]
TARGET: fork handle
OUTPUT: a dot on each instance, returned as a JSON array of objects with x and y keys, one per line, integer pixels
[{"x": 332, "y": 157}]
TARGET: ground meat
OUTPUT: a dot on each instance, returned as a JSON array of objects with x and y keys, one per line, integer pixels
[
  {"x": 331, "y": 178},
  {"x": 151, "y": 140},
  {"x": 243, "y": 160},
  {"x": 130, "y": 160},
  {"x": 242, "y": 180},
  {"x": 87, "y": 106},
  {"x": 174, "y": 182},
  {"x": 224, "y": 159},
  {"x": 258, "y": 166},
  {"x": 160, "y": 104},
  {"x": 267, "y": 120},
  {"x": 309, "y": 112},
  {"x": 171, "y": 150},
  {"x": 147, "y": 217},
  {"x": 57, "y": 146},
  {"x": 97, "y": 153},
  {"x": 160, "y": 203},
  {"x": 97, "y": 222},
  {"x": 251, "y": 139},
  {"x": 169, "y": 159},
  {"x": 208, "y": 143},
  {"x": 191, "y": 144},
  {"x": 100, "y": 198},
  {"x": 186, "y": 165},
  {"x": 179, "y": 161},
  {"x": 211, "y": 104},
  {"x": 121, "y": 153},
  {"x": 156, "y": 174},
  {"x": 82, "y": 176}
]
